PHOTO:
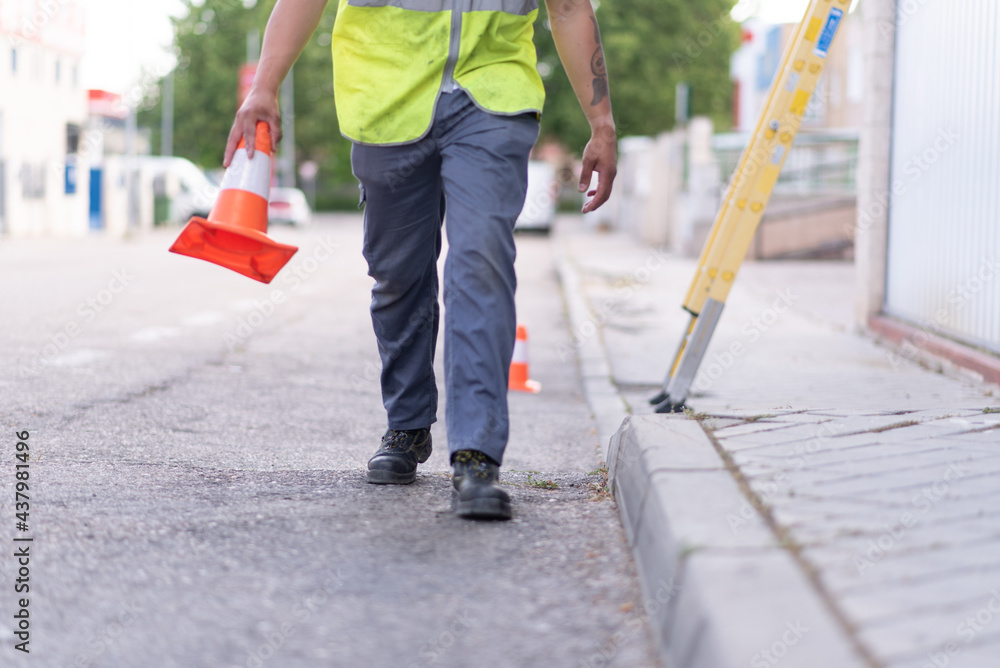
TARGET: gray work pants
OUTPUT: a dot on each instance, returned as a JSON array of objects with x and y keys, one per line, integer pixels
[{"x": 474, "y": 164}]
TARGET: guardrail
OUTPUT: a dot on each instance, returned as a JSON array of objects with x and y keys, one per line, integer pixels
[{"x": 821, "y": 162}]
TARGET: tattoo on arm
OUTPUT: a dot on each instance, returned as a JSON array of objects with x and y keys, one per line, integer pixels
[{"x": 598, "y": 68}]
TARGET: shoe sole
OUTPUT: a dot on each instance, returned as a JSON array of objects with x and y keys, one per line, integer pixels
[
  {"x": 482, "y": 509},
  {"x": 378, "y": 477}
]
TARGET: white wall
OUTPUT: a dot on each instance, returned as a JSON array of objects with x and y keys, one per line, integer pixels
[
  {"x": 943, "y": 261},
  {"x": 35, "y": 107}
]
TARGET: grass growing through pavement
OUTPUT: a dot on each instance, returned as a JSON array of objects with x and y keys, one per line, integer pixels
[
  {"x": 755, "y": 418},
  {"x": 600, "y": 488},
  {"x": 542, "y": 484},
  {"x": 895, "y": 425}
]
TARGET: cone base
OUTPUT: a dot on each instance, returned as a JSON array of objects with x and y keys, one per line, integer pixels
[
  {"x": 244, "y": 250},
  {"x": 532, "y": 386}
]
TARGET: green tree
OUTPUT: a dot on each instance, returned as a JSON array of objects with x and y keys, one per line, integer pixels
[
  {"x": 210, "y": 40},
  {"x": 650, "y": 46}
]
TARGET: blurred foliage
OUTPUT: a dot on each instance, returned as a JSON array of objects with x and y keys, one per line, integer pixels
[
  {"x": 650, "y": 46},
  {"x": 211, "y": 43}
]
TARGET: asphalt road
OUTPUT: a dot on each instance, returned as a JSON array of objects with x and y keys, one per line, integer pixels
[{"x": 196, "y": 479}]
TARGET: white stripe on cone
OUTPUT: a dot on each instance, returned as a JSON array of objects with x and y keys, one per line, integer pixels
[
  {"x": 520, "y": 352},
  {"x": 252, "y": 175},
  {"x": 519, "y": 360}
]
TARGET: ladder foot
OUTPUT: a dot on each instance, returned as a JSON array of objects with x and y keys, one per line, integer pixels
[
  {"x": 659, "y": 398},
  {"x": 671, "y": 407}
]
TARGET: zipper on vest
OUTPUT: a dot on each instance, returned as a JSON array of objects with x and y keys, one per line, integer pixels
[{"x": 448, "y": 83}]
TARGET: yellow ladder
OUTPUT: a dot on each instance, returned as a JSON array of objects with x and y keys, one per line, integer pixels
[{"x": 749, "y": 192}]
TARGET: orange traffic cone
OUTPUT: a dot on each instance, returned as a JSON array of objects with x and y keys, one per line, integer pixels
[
  {"x": 519, "y": 378},
  {"x": 234, "y": 236}
]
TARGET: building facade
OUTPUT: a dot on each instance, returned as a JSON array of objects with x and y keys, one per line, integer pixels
[
  {"x": 837, "y": 101},
  {"x": 44, "y": 184}
]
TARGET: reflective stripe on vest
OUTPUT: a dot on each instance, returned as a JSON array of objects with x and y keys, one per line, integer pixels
[
  {"x": 392, "y": 59},
  {"x": 519, "y": 7}
]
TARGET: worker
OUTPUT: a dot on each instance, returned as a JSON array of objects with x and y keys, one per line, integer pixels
[{"x": 442, "y": 100}]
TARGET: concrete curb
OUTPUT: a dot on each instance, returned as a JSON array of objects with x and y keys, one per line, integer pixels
[
  {"x": 605, "y": 402},
  {"x": 719, "y": 593}
]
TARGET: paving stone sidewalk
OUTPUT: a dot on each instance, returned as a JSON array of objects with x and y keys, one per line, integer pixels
[{"x": 880, "y": 474}]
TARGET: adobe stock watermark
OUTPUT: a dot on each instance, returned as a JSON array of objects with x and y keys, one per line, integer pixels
[
  {"x": 914, "y": 170},
  {"x": 275, "y": 638},
  {"x": 796, "y": 460},
  {"x": 751, "y": 330},
  {"x": 420, "y": 152},
  {"x": 608, "y": 650},
  {"x": 539, "y": 205},
  {"x": 601, "y": 313},
  {"x": 88, "y": 310},
  {"x": 493, "y": 428},
  {"x": 104, "y": 639},
  {"x": 294, "y": 275},
  {"x": 966, "y": 631},
  {"x": 31, "y": 26},
  {"x": 921, "y": 503},
  {"x": 408, "y": 165},
  {"x": 905, "y": 10},
  {"x": 92, "y": 139},
  {"x": 778, "y": 650},
  {"x": 694, "y": 46},
  {"x": 418, "y": 322},
  {"x": 956, "y": 300},
  {"x": 761, "y": 156},
  {"x": 431, "y": 652},
  {"x": 371, "y": 373}
]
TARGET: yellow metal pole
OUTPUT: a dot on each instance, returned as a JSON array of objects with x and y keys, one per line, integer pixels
[
  {"x": 750, "y": 191},
  {"x": 721, "y": 227}
]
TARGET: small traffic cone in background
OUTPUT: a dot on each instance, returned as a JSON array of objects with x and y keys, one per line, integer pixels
[
  {"x": 234, "y": 236},
  {"x": 520, "y": 379}
]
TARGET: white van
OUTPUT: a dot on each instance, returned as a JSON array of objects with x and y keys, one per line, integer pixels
[
  {"x": 187, "y": 189},
  {"x": 540, "y": 201}
]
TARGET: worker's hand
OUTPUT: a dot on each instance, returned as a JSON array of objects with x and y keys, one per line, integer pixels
[
  {"x": 259, "y": 106},
  {"x": 601, "y": 156}
]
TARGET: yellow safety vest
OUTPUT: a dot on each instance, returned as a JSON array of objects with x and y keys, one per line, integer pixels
[{"x": 393, "y": 58}]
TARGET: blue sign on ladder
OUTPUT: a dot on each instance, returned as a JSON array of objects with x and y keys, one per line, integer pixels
[{"x": 829, "y": 30}]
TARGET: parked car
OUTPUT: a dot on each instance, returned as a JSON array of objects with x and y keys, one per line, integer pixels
[
  {"x": 288, "y": 206},
  {"x": 539, "y": 209},
  {"x": 186, "y": 189}
]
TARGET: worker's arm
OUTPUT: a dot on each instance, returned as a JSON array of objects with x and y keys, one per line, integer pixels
[
  {"x": 288, "y": 30},
  {"x": 578, "y": 40}
]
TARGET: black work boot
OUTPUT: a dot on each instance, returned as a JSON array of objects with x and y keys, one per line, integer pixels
[
  {"x": 395, "y": 462},
  {"x": 476, "y": 495}
]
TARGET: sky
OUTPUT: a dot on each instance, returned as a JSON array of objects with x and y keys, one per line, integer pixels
[
  {"x": 126, "y": 38},
  {"x": 772, "y": 11}
]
